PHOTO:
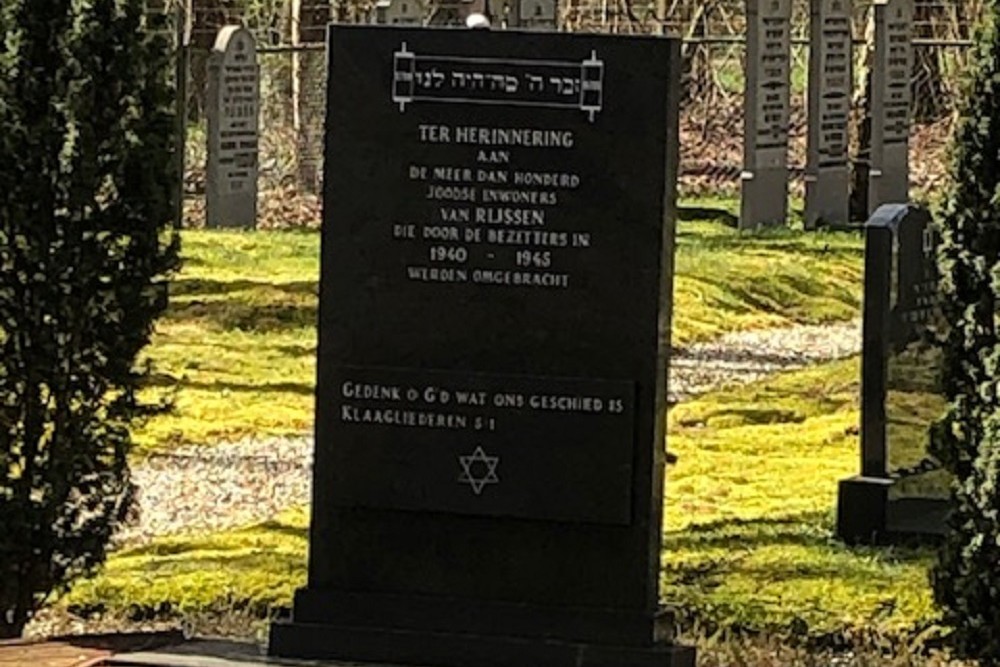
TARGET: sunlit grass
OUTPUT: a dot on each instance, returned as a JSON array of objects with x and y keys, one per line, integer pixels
[
  {"x": 236, "y": 351},
  {"x": 254, "y": 568},
  {"x": 749, "y": 537},
  {"x": 727, "y": 281},
  {"x": 750, "y": 513}
]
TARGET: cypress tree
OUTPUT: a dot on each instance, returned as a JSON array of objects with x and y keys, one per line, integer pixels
[
  {"x": 966, "y": 577},
  {"x": 86, "y": 246}
]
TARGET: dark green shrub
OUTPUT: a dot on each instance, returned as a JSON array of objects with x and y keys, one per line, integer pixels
[
  {"x": 967, "y": 582},
  {"x": 966, "y": 578},
  {"x": 85, "y": 250}
]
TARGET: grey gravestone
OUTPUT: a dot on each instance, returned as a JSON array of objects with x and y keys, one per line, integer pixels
[
  {"x": 488, "y": 480},
  {"x": 533, "y": 14},
  {"x": 233, "y": 111},
  {"x": 901, "y": 489},
  {"x": 764, "y": 181},
  {"x": 830, "y": 88},
  {"x": 892, "y": 67},
  {"x": 399, "y": 12},
  {"x": 455, "y": 12}
]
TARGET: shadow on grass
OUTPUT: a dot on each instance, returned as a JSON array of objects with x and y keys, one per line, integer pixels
[
  {"x": 759, "y": 416},
  {"x": 260, "y": 347},
  {"x": 798, "y": 554},
  {"x": 806, "y": 529},
  {"x": 227, "y": 315},
  {"x": 181, "y": 545},
  {"x": 201, "y": 286},
  {"x": 286, "y": 529},
  {"x": 791, "y": 296},
  {"x": 761, "y": 294},
  {"x": 231, "y": 560},
  {"x": 766, "y": 240},
  {"x": 297, "y": 350},
  {"x": 706, "y": 214},
  {"x": 165, "y": 380}
]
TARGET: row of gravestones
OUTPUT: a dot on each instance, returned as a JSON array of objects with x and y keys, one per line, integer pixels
[
  {"x": 765, "y": 178},
  {"x": 898, "y": 491},
  {"x": 233, "y": 101},
  {"x": 233, "y": 109},
  {"x": 522, "y": 14}
]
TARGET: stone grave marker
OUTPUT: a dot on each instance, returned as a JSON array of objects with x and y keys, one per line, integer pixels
[
  {"x": 892, "y": 68},
  {"x": 533, "y": 14},
  {"x": 764, "y": 181},
  {"x": 901, "y": 489},
  {"x": 496, "y": 275},
  {"x": 455, "y": 12},
  {"x": 399, "y": 12},
  {"x": 830, "y": 87},
  {"x": 233, "y": 115}
]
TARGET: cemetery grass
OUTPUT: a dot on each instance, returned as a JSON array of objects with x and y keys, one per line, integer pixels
[
  {"x": 234, "y": 356},
  {"x": 749, "y": 543},
  {"x": 751, "y": 508}
]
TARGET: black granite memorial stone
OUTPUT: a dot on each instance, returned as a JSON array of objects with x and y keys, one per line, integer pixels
[
  {"x": 901, "y": 490},
  {"x": 494, "y": 326}
]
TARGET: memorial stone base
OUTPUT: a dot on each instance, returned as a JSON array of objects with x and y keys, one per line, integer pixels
[
  {"x": 414, "y": 630},
  {"x": 867, "y": 514}
]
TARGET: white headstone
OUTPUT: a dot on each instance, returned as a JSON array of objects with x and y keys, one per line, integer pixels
[{"x": 233, "y": 130}]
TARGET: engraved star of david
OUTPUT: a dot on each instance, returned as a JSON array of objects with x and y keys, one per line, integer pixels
[{"x": 487, "y": 465}]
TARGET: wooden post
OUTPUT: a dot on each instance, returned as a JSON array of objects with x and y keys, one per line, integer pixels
[
  {"x": 182, "y": 64},
  {"x": 296, "y": 9}
]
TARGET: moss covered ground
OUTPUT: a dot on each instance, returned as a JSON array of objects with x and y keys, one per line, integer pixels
[
  {"x": 749, "y": 516},
  {"x": 235, "y": 353},
  {"x": 750, "y": 513},
  {"x": 749, "y": 529}
]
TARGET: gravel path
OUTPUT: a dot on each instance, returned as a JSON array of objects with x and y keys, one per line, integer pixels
[
  {"x": 199, "y": 489},
  {"x": 745, "y": 357}
]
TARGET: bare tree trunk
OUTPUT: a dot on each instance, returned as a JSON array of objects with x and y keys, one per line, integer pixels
[
  {"x": 296, "y": 36},
  {"x": 695, "y": 63},
  {"x": 929, "y": 94},
  {"x": 314, "y": 17},
  {"x": 861, "y": 162}
]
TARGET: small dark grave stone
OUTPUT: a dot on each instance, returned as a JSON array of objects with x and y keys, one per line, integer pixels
[
  {"x": 901, "y": 489},
  {"x": 495, "y": 301}
]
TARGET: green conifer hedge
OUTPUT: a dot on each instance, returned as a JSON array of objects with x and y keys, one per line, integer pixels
[
  {"x": 966, "y": 578},
  {"x": 86, "y": 247}
]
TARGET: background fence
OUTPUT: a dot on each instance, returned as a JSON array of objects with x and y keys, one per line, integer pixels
[{"x": 290, "y": 41}]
